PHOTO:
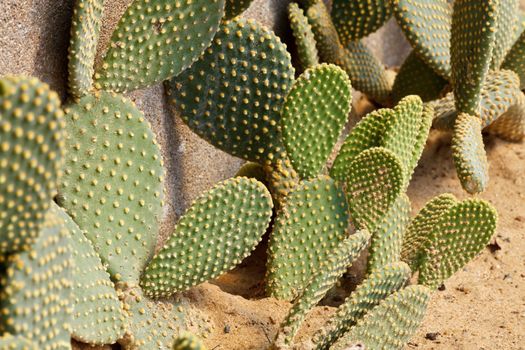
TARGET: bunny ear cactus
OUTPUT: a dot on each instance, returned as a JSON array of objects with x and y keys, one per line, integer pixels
[
  {"x": 515, "y": 59},
  {"x": 36, "y": 289},
  {"x": 510, "y": 126},
  {"x": 235, "y": 7},
  {"x": 314, "y": 114},
  {"x": 304, "y": 37},
  {"x": 113, "y": 184},
  {"x": 392, "y": 323},
  {"x": 31, "y": 158},
  {"x": 188, "y": 341},
  {"x": 156, "y": 40},
  {"x": 233, "y": 95},
  {"x": 372, "y": 291},
  {"x": 219, "y": 230},
  {"x": 321, "y": 281},
  {"x": 85, "y": 30},
  {"x": 10, "y": 342},
  {"x": 506, "y": 25}
]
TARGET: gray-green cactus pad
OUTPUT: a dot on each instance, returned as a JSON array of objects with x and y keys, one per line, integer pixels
[
  {"x": 113, "y": 183},
  {"x": 220, "y": 229},
  {"x": 304, "y": 37},
  {"x": 36, "y": 290},
  {"x": 16, "y": 342},
  {"x": 507, "y": 25},
  {"x": 31, "y": 158},
  {"x": 515, "y": 59},
  {"x": 311, "y": 224},
  {"x": 233, "y": 95},
  {"x": 510, "y": 126}
]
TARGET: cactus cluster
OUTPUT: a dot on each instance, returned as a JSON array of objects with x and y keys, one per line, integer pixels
[{"x": 78, "y": 229}]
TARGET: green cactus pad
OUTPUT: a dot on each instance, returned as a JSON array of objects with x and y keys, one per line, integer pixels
[
  {"x": 366, "y": 134},
  {"x": 387, "y": 239},
  {"x": 426, "y": 24},
  {"x": 515, "y": 59},
  {"x": 323, "y": 279},
  {"x": 314, "y": 114},
  {"x": 420, "y": 140},
  {"x": 188, "y": 341},
  {"x": 156, "y": 40},
  {"x": 113, "y": 183},
  {"x": 506, "y": 26},
  {"x": 392, "y": 323},
  {"x": 233, "y": 95},
  {"x": 85, "y": 29},
  {"x": 373, "y": 290},
  {"x": 36, "y": 290},
  {"x": 500, "y": 91},
  {"x": 418, "y": 234},
  {"x": 152, "y": 325},
  {"x": 281, "y": 178},
  {"x": 98, "y": 317},
  {"x": 462, "y": 233},
  {"x": 356, "y": 19},
  {"x": 468, "y": 152},
  {"x": 304, "y": 37},
  {"x": 10, "y": 342},
  {"x": 31, "y": 158},
  {"x": 471, "y": 44},
  {"x": 366, "y": 72},
  {"x": 311, "y": 224},
  {"x": 415, "y": 77},
  {"x": 220, "y": 229},
  {"x": 235, "y": 8},
  {"x": 375, "y": 181},
  {"x": 326, "y": 37},
  {"x": 511, "y": 125}
]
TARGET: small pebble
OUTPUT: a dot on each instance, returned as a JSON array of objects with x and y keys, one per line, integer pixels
[
  {"x": 431, "y": 335},
  {"x": 227, "y": 329}
]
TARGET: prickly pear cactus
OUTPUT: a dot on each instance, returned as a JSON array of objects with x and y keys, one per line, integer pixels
[
  {"x": 156, "y": 40},
  {"x": 113, "y": 184},
  {"x": 510, "y": 126},
  {"x": 10, "y": 342},
  {"x": 188, "y": 341},
  {"x": 235, "y": 8},
  {"x": 507, "y": 23},
  {"x": 515, "y": 59},
  {"x": 31, "y": 158},
  {"x": 314, "y": 114},
  {"x": 326, "y": 37},
  {"x": 233, "y": 95},
  {"x": 310, "y": 225},
  {"x": 220, "y": 229},
  {"x": 304, "y": 37}
]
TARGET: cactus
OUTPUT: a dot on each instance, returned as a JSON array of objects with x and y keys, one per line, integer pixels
[
  {"x": 415, "y": 77},
  {"x": 113, "y": 184},
  {"x": 310, "y": 225},
  {"x": 390, "y": 324},
  {"x": 376, "y": 287},
  {"x": 97, "y": 317},
  {"x": 510, "y": 125},
  {"x": 314, "y": 114},
  {"x": 31, "y": 158},
  {"x": 36, "y": 290},
  {"x": 188, "y": 341},
  {"x": 304, "y": 38},
  {"x": 326, "y": 37},
  {"x": 281, "y": 178},
  {"x": 233, "y": 95},
  {"x": 515, "y": 59},
  {"x": 321, "y": 281},
  {"x": 507, "y": 23},
  {"x": 85, "y": 30},
  {"x": 469, "y": 154},
  {"x": 156, "y": 40},
  {"x": 10, "y": 342},
  {"x": 235, "y": 7},
  {"x": 356, "y": 19},
  {"x": 219, "y": 230}
]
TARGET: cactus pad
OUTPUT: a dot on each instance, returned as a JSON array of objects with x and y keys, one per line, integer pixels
[
  {"x": 311, "y": 224},
  {"x": 511, "y": 125},
  {"x": 356, "y": 19},
  {"x": 85, "y": 29},
  {"x": 36, "y": 290},
  {"x": 235, "y": 8},
  {"x": 233, "y": 95},
  {"x": 281, "y": 177},
  {"x": 372, "y": 291},
  {"x": 314, "y": 114},
  {"x": 507, "y": 24},
  {"x": 515, "y": 59},
  {"x": 415, "y": 77},
  {"x": 426, "y": 24},
  {"x": 156, "y": 40},
  {"x": 10, "y": 342},
  {"x": 469, "y": 154},
  {"x": 461, "y": 234},
  {"x": 325, "y": 278},
  {"x": 374, "y": 183},
  {"x": 31, "y": 158},
  {"x": 471, "y": 44},
  {"x": 392, "y": 323},
  {"x": 304, "y": 37},
  {"x": 387, "y": 239},
  {"x": 220, "y": 229},
  {"x": 98, "y": 317},
  {"x": 419, "y": 232},
  {"x": 326, "y": 37},
  {"x": 188, "y": 341},
  {"x": 113, "y": 183}
]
